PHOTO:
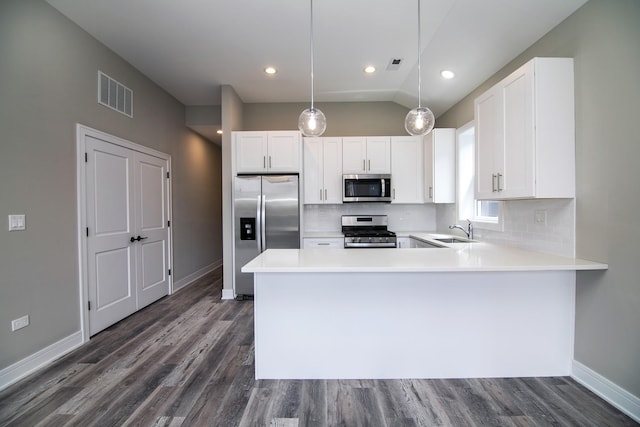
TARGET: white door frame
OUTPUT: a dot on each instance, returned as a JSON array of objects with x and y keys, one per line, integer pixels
[{"x": 83, "y": 282}]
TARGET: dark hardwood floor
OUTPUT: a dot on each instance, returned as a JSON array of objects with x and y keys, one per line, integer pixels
[{"x": 187, "y": 360}]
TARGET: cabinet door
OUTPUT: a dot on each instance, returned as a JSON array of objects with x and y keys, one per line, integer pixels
[
  {"x": 489, "y": 143},
  {"x": 428, "y": 167},
  {"x": 354, "y": 155},
  {"x": 283, "y": 152},
  {"x": 403, "y": 242},
  {"x": 332, "y": 170},
  {"x": 251, "y": 152},
  {"x": 379, "y": 154},
  {"x": 519, "y": 167},
  {"x": 313, "y": 167},
  {"x": 407, "y": 175},
  {"x": 441, "y": 144}
]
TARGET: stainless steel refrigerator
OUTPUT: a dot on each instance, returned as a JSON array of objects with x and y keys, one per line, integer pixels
[{"x": 266, "y": 216}]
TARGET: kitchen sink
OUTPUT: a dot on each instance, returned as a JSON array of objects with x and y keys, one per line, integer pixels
[{"x": 453, "y": 240}]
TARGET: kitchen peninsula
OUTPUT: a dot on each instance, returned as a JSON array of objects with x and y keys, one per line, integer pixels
[{"x": 466, "y": 310}]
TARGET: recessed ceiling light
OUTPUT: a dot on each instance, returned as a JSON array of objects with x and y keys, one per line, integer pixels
[
  {"x": 370, "y": 69},
  {"x": 447, "y": 74},
  {"x": 270, "y": 71}
]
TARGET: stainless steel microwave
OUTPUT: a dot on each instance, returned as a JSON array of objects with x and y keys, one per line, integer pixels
[{"x": 366, "y": 188}]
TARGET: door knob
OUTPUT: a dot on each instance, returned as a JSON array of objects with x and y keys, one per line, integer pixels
[{"x": 133, "y": 239}]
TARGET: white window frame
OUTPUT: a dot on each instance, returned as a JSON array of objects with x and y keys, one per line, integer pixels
[{"x": 466, "y": 204}]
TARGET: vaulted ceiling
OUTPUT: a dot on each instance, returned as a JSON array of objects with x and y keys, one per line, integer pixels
[{"x": 192, "y": 47}]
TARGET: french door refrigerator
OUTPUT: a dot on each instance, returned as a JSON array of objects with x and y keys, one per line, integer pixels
[{"x": 266, "y": 216}]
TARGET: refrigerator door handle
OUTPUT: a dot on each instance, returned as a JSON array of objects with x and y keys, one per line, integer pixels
[
  {"x": 263, "y": 225},
  {"x": 258, "y": 230}
]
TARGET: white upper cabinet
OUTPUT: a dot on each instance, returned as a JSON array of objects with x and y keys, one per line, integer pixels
[
  {"x": 366, "y": 155},
  {"x": 525, "y": 133},
  {"x": 322, "y": 170},
  {"x": 407, "y": 175},
  {"x": 272, "y": 151},
  {"x": 440, "y": 166}
]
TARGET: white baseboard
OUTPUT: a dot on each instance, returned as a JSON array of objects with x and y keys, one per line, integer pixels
[
  {"x": 185, "y": 281},
  {"x": 612, "y": 393},
  {"x": 29, "y": 364},
  {"x": 228, "y": 294}
]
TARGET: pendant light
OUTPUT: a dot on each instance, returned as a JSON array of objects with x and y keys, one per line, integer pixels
[
  {"x": 420, "y": 120},
  {"x": 312, "y": 121}
]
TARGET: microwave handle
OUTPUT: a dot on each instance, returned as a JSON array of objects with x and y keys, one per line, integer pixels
[{"x": 384, "y": 191}]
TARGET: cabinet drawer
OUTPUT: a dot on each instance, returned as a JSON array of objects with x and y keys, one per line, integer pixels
[{"x": 324, "y": 242}]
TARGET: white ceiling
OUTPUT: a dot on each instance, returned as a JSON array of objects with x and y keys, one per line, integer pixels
[{"x": 192, "y": 47}]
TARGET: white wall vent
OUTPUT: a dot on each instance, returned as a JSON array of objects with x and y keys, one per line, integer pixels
[{"x": 114, "y": 94}]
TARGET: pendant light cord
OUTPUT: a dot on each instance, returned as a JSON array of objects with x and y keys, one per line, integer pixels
[
  {"x": 419, "y": 54},
  {"x": 311, "y": 50}
]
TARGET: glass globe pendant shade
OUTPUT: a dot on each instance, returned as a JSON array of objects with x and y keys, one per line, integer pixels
[
  {"x": 419, "y": 121},
  {"x": 312, "y": 122}
]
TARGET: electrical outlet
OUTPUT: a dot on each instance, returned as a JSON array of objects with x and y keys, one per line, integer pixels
[
  {"x": 20, "y": 323},
  {"x": 540, "y": 217},
  {"x": 17, "y": 222}
]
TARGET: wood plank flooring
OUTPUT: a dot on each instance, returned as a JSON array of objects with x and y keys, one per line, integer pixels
[{"x": 187, "y": 360}]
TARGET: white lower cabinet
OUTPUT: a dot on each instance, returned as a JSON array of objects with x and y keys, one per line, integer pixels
[
  {"x": 323, "y": 243},
  {"x": 403, "y": 242},
  {"x": 415, "y": 243},
  {"x": 410, "y": 242}
]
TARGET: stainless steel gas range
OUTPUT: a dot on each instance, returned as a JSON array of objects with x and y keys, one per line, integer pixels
[{"x": 367, "y": 231}]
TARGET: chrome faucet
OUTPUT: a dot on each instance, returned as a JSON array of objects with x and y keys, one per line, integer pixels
[{"x": 468, "y": 231}]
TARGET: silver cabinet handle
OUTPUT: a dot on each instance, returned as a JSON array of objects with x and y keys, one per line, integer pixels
[
  {"x": 269, "y": 162},
  {"x": 321, "y": 194},
  {"x": 323, "y": 243},
  {"x": 264, "y": 162},
  {"x": 499, "y": 187},
  {"x": 325, "y": 194},
  {"x": 394, "y": 194},
  {"x": 364, "y": 165},
  {"x": 369, "y": 164},
  {"x": 493, "y": 182},
  {"x": 431, "y": 192}
]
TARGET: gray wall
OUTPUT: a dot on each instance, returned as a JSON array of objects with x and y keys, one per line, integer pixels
[
  {"x": 48, "y": 78},
  {"x": 603, "y": 37},
  {"x": 343, "y": 118},
  {"x": 232, "y": 117}
]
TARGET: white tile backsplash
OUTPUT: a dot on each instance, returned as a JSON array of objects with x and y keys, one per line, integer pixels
[
  {"x": 519, "y": 226},
  {"x": 318, "y": 218},
  {"x": 520, "y": 229}
]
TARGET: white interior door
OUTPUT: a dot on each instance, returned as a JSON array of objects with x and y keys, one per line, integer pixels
[
  {"x": 152, "y": 226},
  {"x": 110, "y": 222},
  {"x": 127, "y": 231}
]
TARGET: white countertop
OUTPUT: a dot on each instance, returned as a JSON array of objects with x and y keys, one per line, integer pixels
[{"x": 457, "y": 257}]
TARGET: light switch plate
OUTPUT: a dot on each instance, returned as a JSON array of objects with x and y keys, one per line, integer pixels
[
  {"x": 17, "y": 222},
  {"x": 540, "y": 217},
  {"x": 20, "y": 323}
]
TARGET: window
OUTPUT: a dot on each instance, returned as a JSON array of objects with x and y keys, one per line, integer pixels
[{"x": 484, "y": 213}]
